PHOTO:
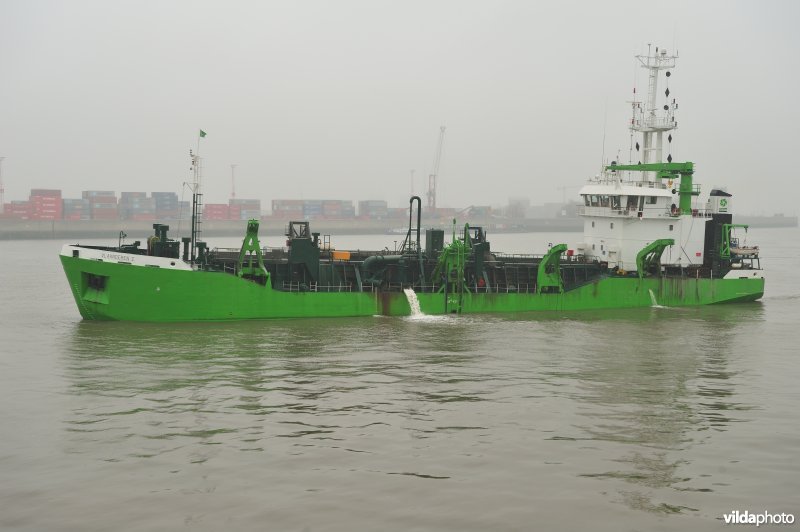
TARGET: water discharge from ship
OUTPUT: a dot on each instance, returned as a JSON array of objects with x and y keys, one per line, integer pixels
[
  {"x": 413, "y": 302},
  {"x": 654, "y": 301}
]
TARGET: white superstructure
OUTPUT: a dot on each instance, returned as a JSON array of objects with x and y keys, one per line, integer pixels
[{"x": 625, "y": 210}]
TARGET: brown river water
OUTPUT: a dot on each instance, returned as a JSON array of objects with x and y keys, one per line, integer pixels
[{"x": 648, "y": 419}]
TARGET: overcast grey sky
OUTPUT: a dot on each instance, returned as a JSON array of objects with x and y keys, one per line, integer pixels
[{"x": 341, "y": 99}]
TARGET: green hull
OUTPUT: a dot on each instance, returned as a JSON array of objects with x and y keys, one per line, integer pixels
[{"x": 136, "y": 293}]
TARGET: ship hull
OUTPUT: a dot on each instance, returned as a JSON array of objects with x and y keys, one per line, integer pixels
[{"x": 135, "y": 293}]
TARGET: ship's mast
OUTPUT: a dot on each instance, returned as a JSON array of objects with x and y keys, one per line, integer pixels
[
  {"x": 648, "y": 119},
  {"x": 197, "y": 195},
  {"x": 195, "y": 191}
]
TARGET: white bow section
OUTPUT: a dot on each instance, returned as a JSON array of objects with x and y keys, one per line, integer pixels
[{"x": 124, "y": 258}]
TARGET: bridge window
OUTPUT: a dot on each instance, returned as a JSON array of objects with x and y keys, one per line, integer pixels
[
  {"x": 592, "y": 224},
  {"x": 612, "y": 225},
  {"x": 671, "y": 227},
  {"x": 651, "y": 200}
]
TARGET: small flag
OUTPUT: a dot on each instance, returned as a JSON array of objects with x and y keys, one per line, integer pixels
[{"x": 202, "y": 133}]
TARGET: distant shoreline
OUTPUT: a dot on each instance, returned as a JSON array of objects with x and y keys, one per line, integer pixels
[{"x": 71, "y": 230}]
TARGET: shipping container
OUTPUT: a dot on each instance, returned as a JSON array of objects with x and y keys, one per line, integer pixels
[
  {"x": 106, "y": 200},
  {"x": 89, "y": 194},
  {"x": 104, "y": 211},
  {"x": 49, "y": 192},
  {"x": 48, "y": 200},
  {"x": 289, "y": 214},
  {"x": 45, "y": 216},
  {"x": 130, "y": 195},
  {"x": 18, "y": 212},
  {"x": 165, "y": 198},
  {"x": 167, "y": 215},
  {"x": 45, "y": 200},
  {"x": 216, "y": 211},
  {"x": 280, "y": 205},
  {"x": 243, "y": 201},
  {"x": 70, "y": 203}
]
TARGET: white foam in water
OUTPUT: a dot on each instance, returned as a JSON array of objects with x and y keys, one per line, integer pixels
[
  {"x": 418, "y": 315},
  {"x": 653, "y": 301},
  {"x": 413, "y": 302}
]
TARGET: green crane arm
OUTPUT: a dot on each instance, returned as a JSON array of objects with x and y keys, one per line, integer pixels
[
  {"x": 671, "y": 169},
  {"x": 251, "y": 249},
  {"x": 548, "y": 277},
  {"x": 725, "y": 245},
  {"x": 684, "y": 171},
  {"x": 650, "y": 255}
]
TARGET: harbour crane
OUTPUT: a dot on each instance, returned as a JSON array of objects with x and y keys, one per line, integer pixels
[{"x": 435, "y": 171}]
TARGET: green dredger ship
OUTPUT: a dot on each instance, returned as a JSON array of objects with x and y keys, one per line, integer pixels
[{"x": 645, "y": 242}]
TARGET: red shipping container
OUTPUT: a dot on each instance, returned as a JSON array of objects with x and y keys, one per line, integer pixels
[
  {"x": 46, "y": 199},
  {"x": 46, "y": 192},
  {"x": 19, "y": 209}
]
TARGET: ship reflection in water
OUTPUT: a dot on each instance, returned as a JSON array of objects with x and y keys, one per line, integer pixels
[
  {"x": 621, "y": 407},
  {"x": 652, "y": 404}
]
